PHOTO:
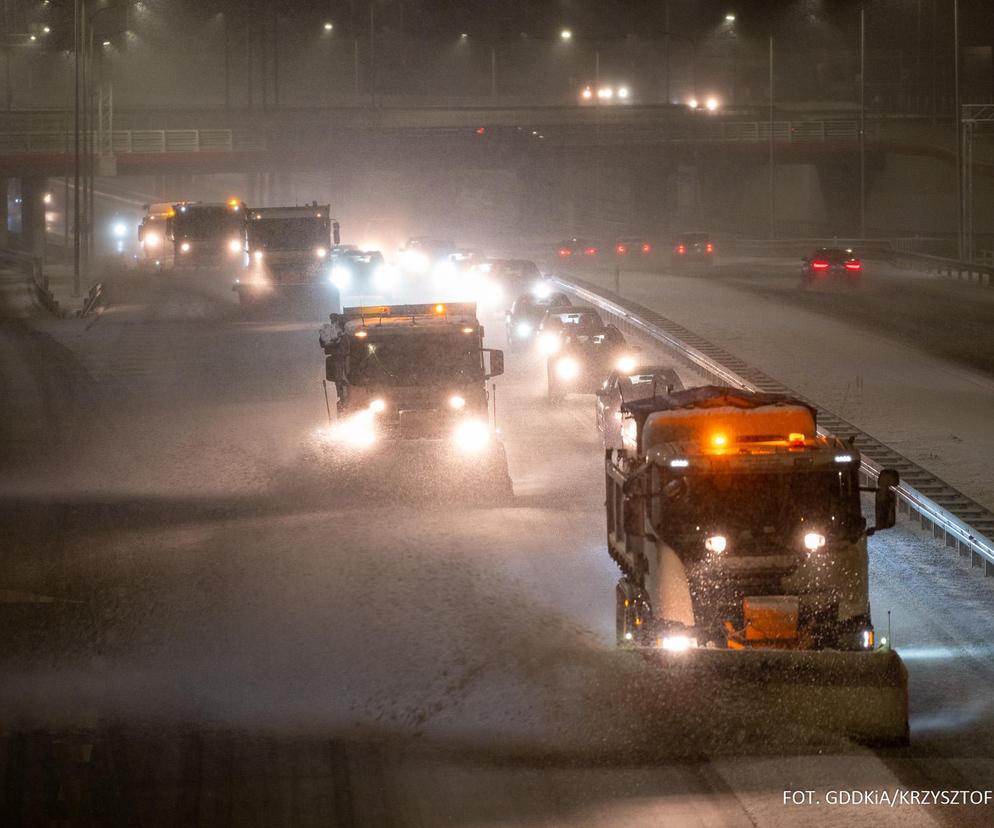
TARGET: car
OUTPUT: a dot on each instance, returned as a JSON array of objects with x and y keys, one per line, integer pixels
[
  {"x": 581, "y": 352},
  {"x": 633, "y": 247},
  {"x": 575, "y": 250},
  {"x": 526, "y": 314},
  {"x": 621, "y": 386},
  {"x": 693, "y": 248},
  {"x": 512, "y": 272},
  {"x": 828, "y": 262}
]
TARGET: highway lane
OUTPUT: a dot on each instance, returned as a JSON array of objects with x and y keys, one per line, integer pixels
[
  {"x": 892, "y": 358},
  {"x": 245, "y": 623}
]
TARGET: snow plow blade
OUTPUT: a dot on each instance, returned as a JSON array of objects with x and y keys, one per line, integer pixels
[{"x": 780, "y": 697}]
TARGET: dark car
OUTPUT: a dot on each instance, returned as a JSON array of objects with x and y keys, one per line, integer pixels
[
  {"x": 831, "y": 262},
  {"x": 513, "y": 272},
  {"x": 527, "y": 312},
  {"x": 578, "y": 250},
  {"x": 693, "y": 248},
  {"x": 586, "y": 351},
  {"x": 621, "y": 386}
]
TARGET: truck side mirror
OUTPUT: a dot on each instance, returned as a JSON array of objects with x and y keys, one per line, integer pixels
[
  {"x": 496, "y": 363},
  {"x": 886, "y": 499}
]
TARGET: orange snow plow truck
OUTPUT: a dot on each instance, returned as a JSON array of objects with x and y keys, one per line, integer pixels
[{"x": 740, "y": 535}]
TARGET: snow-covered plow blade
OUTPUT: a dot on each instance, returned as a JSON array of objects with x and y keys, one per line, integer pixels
[{"x": 778, "y": 697}]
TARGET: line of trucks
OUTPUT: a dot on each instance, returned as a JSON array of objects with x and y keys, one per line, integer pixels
[{"x": 266, "y": 250}]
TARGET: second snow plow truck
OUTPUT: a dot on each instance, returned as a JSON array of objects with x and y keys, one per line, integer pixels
[
  {"x": 417, "y": 374},
  {"x": 743, "y": 550}
]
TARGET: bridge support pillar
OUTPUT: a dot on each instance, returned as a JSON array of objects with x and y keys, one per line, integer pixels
[
  {"x": 33, "y": 215},
  {"x": 839, "y": 180},
  {"x": 4, "y": 240}
]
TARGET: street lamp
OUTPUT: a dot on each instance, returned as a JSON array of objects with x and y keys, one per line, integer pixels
[{"x": 566, "y": 34}]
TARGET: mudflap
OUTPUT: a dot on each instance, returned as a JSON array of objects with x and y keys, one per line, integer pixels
[{"x": 777, "y": 698}]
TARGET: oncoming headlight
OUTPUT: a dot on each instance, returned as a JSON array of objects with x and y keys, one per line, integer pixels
[
  {"x": 341, "y": 277},
  {"x": 457, "y": 402},
  {"x": 472, "y": 436},
  {"x": 548, "y": 343},
  {"x": 813, "y": 541},
  {"x": 235, "y": 246},
  {"x": 151, "y": 239},
  {"x": 321, "y": 252},
  {"x": 716, "y": 544},
  {"x": 567, "y": 368},
  {"x": 257, "y": 255},
  {"x": 625, "y": 364},
  {"x": 524, "y": 330},
  {"x": 184, "y": 247}
]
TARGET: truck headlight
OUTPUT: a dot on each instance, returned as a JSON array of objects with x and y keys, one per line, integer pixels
[
  {"x": 567, "y": 368},
  {"x": 321, "y": 252},
  {"x": 457, "y": 402},
  {"x": 341, "y": 277},
  {"x": 184, "y": 247},
  {"x": 151, "y": 240},
  {"x": 548, "y": 343},
  {"x": 625, "y": 364},
  {"x": 813, "y": 541},
  {"x": 472, "y": 436},
  {"x": 524, "y": 330},
  {"x": 235, "y": 246},
  {"x": 678, "y": 643},
  {"x": 716, "y": 544}
]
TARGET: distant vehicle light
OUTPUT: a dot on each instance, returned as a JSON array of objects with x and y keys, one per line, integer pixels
[
  {"x": 234, "y": 203},
  {"x": 680, "y": 249},
  {"x": 605, "y": 93},
  {"x": 623, "y": 92},
  {"x": 813, "y": 541},
  {"x": 625, "y": 364},
  {"x": 843, "y": 458},
  {"x": 457, "y": 402},
  {"x": 590, "y": 251},
  {"x": 329, "y": 26},
  {"x": 709, "y": 248},
  {"x": 566, "y": 34},
  {"x": 587, "y": 93},
  {"x": 524, "y": 330},
  {"x": 692, "y": 103},
  {"x": 235, "y": 246},
  {"x": 184, "y": 247},
  {"x": 711, "y": 104},
  {"x": 472, "y": 436},
  {"x": 377, "y": 406},
  {"x": 646, "y": 248},
  {"x": 467, "y": 330},
  {"x": 565, "y": 252},
  {"x": 542, "y": 291},
  {"x": 716, "y": 544},
  {"x": 719, "y": 440},
  {"x": 679, "y": 463},
  {"x": 321, "y": 252},
  {"x": 120, "y": 229},
  {"x": 361, "y": 334},
  {"x": 868, "y": 640},
  {"x": 679, "y": 643},
  {"x": 819, "y": 265},
  {"x": 47, "y": 198},
  {"x": 439, "y": 310},
  {"x": 257, "y": 255},
  {"x": 854, "y": 266},
  {"x": 567, "y": 368},
  {"x": 151, "y": 240},
  {"x": 620, "y": 249}
]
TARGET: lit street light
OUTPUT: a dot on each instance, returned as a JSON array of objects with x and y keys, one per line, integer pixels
[{"x": 566, "y": 34}]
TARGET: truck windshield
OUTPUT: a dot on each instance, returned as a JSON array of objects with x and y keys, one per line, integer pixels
[
  {"x": 201, "y": 223},
  {"x": 288, "y": 233},
  {"x": 422, "y": 359},
  {"x": 758, "y": 504}
]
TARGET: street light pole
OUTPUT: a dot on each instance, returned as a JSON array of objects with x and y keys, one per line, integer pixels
[
  {"x": 77, "y": 25},
  {"x": 958, "y": 115},
  {"x": 493, "y": 72},
  {"x": 773, "y": 168},
  {"x": 862, "y": 121}
]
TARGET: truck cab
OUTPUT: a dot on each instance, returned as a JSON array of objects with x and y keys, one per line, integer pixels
[{"x": 208, "y": 235}]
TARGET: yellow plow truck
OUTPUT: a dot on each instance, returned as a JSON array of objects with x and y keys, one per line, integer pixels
[{"x": 743, "y": 549}]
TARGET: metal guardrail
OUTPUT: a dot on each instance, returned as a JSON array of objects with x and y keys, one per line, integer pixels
[
  {"x": 979, "y": 272},
  {"x": 140, "y": 141},
  {"x": 934, "y": 505}
]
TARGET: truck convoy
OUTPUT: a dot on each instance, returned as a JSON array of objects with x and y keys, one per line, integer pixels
[
  {"x": 418, "y": 373},
  {"x": 208, "y": 235},
  {"x": 288, "y": 248},
  {"x": 743, "y": 551}
]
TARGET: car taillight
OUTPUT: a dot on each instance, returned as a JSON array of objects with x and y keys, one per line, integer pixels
[
  {"x": 710, "y": 248},
  {"x": 819, "y": 265},
  {"x": 590, "y": 251},
  {"x": 855, "y": 266},
  {"x": 620, "y": 249},
  {"x": 646, "y": 248},
  {"x": 565, "y": 251},
  {"x": 680, "y": 249}
]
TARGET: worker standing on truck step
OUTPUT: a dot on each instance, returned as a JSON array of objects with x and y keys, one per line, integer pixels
[{"x": 335, "y": 343}]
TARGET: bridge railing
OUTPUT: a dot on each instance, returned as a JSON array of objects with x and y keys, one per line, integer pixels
[{"x": 139, "y": 141}]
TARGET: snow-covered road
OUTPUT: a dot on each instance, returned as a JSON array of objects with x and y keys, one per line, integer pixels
[{"x": 243, "y": 626}]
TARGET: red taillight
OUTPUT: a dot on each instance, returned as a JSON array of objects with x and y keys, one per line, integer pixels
[
  {"x": 855, "y": 266},
  {"x": 710, "y": 248},
  {"x": 565, "y": 251},
  {"x": 819, "y": 265},
  {"x": 647, "y": 248},
  {"x": 590, "y": 251},
  {"x": 620, "y": 249},
  {"x": 680, "y": 249}
]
